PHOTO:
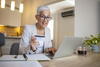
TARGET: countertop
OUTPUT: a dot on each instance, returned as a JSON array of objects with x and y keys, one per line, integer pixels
[{"x": 13, "y": 37}]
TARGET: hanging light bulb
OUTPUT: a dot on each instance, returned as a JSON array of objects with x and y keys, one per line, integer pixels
[
  {"x": 21, "y": 7},
  {"x": 2, "y": 3},
  {"x": 12, "y": 5}
]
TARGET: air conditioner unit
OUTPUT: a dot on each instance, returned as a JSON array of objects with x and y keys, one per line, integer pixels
[{"x": 67, "y": 13}]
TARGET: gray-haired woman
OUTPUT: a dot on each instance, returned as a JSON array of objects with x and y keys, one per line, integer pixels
[{"x": 36, "y": 38}]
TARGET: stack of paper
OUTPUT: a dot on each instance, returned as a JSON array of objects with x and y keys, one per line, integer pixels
[{"x": 34, "y": 57}]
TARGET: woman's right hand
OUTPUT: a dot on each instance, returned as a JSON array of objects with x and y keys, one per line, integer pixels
[{"x": 34, "y": 41}]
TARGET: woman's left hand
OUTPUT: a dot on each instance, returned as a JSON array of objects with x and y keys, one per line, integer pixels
[{"x": 51, "y": 50}]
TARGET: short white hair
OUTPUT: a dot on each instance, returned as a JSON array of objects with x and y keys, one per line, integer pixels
[{"x": 42, "y": 8}]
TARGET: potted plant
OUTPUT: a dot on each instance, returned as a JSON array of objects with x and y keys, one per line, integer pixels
[{"x": 94, "y": 42}]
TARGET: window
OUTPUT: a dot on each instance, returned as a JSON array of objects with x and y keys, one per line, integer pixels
[{"x": 51, "y": 27}]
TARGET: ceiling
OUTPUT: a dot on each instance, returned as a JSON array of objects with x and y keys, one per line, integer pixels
[
  {"x": 62, "y": 5},
  {"x": 17, "y": 2},
  {"x": 56, "y": 4}
]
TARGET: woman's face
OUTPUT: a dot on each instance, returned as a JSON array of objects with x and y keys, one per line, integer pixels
[{"x": 43, "y": 18}]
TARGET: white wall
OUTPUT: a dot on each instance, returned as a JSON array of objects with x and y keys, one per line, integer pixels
[
  {"x": 64, "y": 26},
  {"x": 87, "y": 17}
]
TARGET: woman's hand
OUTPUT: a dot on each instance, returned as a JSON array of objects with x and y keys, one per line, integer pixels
[
  {"x": 51, "y": 50},
  {"x": 33, "y": 43}
]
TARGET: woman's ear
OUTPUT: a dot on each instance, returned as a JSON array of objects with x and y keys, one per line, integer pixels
[{"x": 36, "y": 16}]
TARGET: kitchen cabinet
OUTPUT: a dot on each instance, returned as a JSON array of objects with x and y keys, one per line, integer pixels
[{"x": 10, "y": 18}]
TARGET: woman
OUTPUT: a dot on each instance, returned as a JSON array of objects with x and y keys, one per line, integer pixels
[{"x": 36, "y": 38}]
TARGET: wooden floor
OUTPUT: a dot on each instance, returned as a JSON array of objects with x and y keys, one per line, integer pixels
[{"x": 90, "y": 60}]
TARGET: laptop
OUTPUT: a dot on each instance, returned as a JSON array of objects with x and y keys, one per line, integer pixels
[{"x": 67, "y": 47}]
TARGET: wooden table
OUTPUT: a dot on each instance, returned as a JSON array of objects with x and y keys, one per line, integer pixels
[{"x": 90, "y": 60}]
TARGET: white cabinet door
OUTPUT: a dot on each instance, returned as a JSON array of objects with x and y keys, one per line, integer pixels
[{"x": 10, "y": 18}]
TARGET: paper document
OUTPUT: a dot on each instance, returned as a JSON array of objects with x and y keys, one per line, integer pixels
[
  {"x": 38, "y": 57},
  {"x": 21, "y": 58},
  {"x": 20, "y": 64},
  {"x": 12, "y": 57}
]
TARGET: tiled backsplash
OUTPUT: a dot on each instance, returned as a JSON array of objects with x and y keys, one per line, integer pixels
[{"x": 11, "y": 31}]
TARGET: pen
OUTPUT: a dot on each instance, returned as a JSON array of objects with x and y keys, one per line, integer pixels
[{"x": 26, "y": 58}]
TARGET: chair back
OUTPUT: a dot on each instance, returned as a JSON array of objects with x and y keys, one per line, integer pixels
[
  {"x": 14, "y": 49},
  {"x": 2, "y": 39}
]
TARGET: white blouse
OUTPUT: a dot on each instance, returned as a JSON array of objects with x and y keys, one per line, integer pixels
[{"x": 29, "y": 31}]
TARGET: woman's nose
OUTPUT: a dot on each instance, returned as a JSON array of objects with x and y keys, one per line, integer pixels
[{"x": 45, "y": 20}]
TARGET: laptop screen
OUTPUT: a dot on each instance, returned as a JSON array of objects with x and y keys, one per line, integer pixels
[{"x": 68, "y": 46}]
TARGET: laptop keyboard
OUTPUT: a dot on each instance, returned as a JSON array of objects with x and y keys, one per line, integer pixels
[{"x": 50, "y": 56}]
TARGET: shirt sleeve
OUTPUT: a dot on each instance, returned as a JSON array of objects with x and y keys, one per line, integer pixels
[
  {"x": 26, "y": 36},
  {"x": 24, "y": 43}
]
